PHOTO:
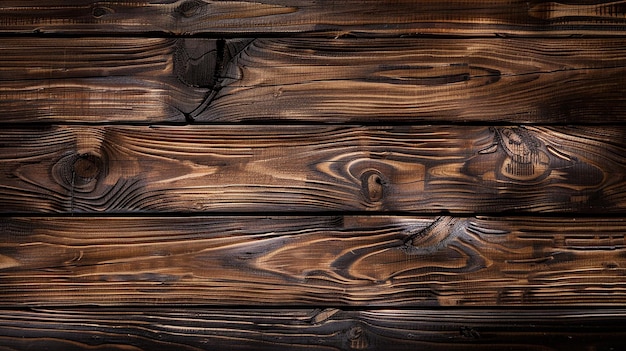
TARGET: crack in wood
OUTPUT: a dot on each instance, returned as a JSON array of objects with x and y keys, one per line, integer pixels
[
  {"x": 432, "y": 238},
  {"x": 226, "y": 52}
]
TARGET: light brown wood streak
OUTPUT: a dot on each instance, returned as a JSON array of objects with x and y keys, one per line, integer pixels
[
  {"x": 409, "y": 80},
  {"x": 102, "y": 79},
  {"x": 312, "y": 168},
  {"x": 326, "y": 260},
  {"x": 353, "y": 17},
  {"x": 299, "y": 329}
]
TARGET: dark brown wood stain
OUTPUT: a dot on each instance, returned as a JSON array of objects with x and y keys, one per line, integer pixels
[
  {"x": 293, "y": 261},
  {"x": 312, "y": 175},
  {"x": 461, "y": 169},
  {"x": 310, "y": 329},
  {"x": 345, "y": 18}
]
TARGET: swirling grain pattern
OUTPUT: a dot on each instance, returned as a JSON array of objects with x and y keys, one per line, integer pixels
[
  {"x": 313, "y": 80},
  {"x": 183, "y": 175},
  {"x": 325, "y": 260},
  {"x": 69, "y": 169},
  {"x": 407, "y": 80}
]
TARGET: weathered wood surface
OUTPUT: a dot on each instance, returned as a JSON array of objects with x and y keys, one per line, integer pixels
[
  {"x": 316, "y": 261},
  {"x": 312, "y": 329},
  {"x": 312, "y": 80},
  {"x": 352, "y": 17},
  {"x": 409, "y": 80},
  {"x": 104, "y": 79},
  {"x": 461, "y": 169}
]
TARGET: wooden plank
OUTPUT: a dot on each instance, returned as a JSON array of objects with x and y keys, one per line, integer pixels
[
  {"x": 326, "y": 260},
  {"x": 408, "y": 80},
  {"x": 392, "y": 80},
  {"x": 104, "y": 79},
  {"x": 460, "y": 169},
  {"x": 352, "y": 17},
  {"x": 312, "y": 329}
]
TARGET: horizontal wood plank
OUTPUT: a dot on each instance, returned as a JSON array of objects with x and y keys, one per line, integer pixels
[
  {"x": 312, "y": 80},
  {"x": 103, "y": 79},
  {"x": 353, "y": 17},
  {"x": 460, "y": 169},
  {"x": 156, "y": 80},
  {"x": 409, "y": 80},
  {"x": 326, "y": 260},
  {"x": 312, "y": 329}
]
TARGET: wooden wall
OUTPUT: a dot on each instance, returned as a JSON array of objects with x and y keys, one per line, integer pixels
[{"x": 312, "y": 175}]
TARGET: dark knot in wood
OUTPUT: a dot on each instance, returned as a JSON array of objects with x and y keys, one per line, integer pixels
[
  {"x": 190, "y": 8},
  {"x": 101, "y": 11},
  {"x": 469, "y": 332},
  {"x": 87, "y": 166},
  {"x": 78, "y": 172},
  {"x": 197, "y": 62},
  {"x": 373, "y": 185}
]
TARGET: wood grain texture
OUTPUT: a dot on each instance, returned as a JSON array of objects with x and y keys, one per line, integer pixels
[
  {"x": 327, "y": 260},
  {"x": 353, "y": 17},
  {"x": 312, "y": 329},
  {"x": 409, "y": 80},
  {"x": 312, "y": 80},
  {"x": 461, "y": 169},
  {"x": 104, "y": 79}
]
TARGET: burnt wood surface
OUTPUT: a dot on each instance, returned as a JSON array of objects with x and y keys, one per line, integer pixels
[
  {"x": 326, "y": 175},
  {"x": 324, "y": 260},
  {"x": 336, "y": 18},
  {"x": 457, "y": 169},
  {"x": 311, "y": 329},
  {"x": 152, "y": 80},
  {"x": 96, "y": 80},
  {"x": 423, "y": 80}
]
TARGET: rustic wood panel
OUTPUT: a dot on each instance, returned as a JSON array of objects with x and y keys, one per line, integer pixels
[
  {"x": 409, "y": 80},
  {"x": 327, "y": 261},
  {"x": 152, "y": 279},
  {"x": 352, "y": 17},
  {"x": 461, "y": 169},
  {"x": 312, "y": 329},
  {"x": 104, "y": 79},
  {"x": 320, "y": 80}
]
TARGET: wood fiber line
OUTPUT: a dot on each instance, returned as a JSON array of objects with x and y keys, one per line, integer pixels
[
  {"x": 461, "y": 169},
  {"x": 332, "y": 18},
  {"x": 312, "y": 329},
  {"x": 410, "y": 80},
  {"x": 317, "y": 261},
  {"x": 104, "y": 79}
]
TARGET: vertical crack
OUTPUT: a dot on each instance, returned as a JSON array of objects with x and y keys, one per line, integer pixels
[
  {"x": 220, "y": 46},
  {"x": 225, "y": 52},
  {"x": 72, "y": 193}
]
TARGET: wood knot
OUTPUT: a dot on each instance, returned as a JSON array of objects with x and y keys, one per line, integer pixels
[
  {"x": 101, "y": 11},
  {"x": 87, "y": 167},
  {"x": 357, "y": 338},
  {"x": 469, "y": 332},
  {"x": 373, "y": 185},
  {"x": 79, "y": 172},
  {"x": 525, "y": 158},
  {"x": 435, "y": 236},
  {"x": 189, "y": 8},
  {"x": 196, "y": 61}
]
